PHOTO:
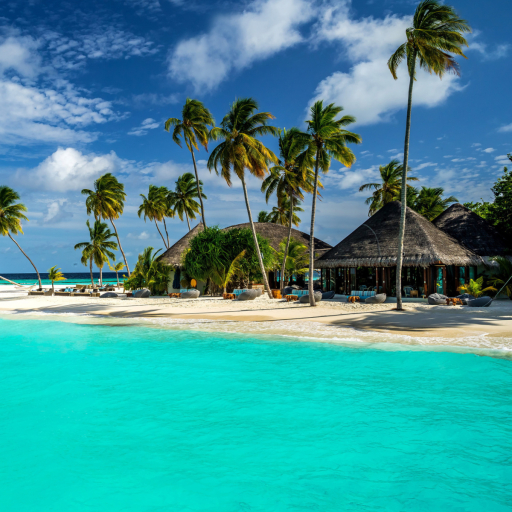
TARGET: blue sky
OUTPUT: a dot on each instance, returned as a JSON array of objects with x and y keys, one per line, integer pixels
[{"x": 86, "y": 88}]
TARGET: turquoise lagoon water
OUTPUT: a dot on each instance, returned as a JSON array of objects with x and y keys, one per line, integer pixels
[{"x": 133, "y": 418}]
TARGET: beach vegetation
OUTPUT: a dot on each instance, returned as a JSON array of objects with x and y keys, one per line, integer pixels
[
  {"x": 54, "y": 274},
  {"x": 329, "y": 139},
  {"x": 389, "y": 187},
  {"x": 116, "y": 267},
  {"x": 296, "y": 258},
  {"x": 432, "y": 42},
  {"x": 429, "y": 201},
  {"x": 502, "y": 277},
  {"x": 263, "y": 216},
  {"x": 223, "y": 275},
  {"x": 150, "y": 273},
  {"x": 98, "y": 249},
  {"x": 182, "y": 200},
  {"x": 241, "y": 151},
  {"x": 213, "y": 251},
  {"x": 155, "y": 207},
  {"x": 12, "y": 213},
  {"x": 476, "y": 287},
  {"x": 293, "y": 176},
  {"x": 194, "y": 128},
  {"x": 106, "y": 201}
]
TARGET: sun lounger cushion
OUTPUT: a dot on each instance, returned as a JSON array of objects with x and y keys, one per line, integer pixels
[
  {"x": 190, "y": 294},
  {"x": 248, "y": 295},
  {"x": 108, "y": 295},
  {"x": 437, "y": 299},
  {"x": 328, "y": 295},
  {"x": 377, "y": 299},
  {"x": 300, "y": 293},
  {"x": 481, "y": 302},
  {"x": 142, "y": 294},
  {"x": 362, "y": 294},
  {"x": 465, "y": 297},
  {"x": 305, "y": 298}
]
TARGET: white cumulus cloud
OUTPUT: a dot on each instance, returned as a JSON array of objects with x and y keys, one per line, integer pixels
[
  {"x": 235, "y": 41},
  {"x": 147, "y": 124},
  {"x": 68, "y": 169}
]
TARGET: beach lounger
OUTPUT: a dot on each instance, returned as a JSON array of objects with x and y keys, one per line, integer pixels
[
  {"x": 62, "y": 294},
  {"x": 36, "y": 293}
]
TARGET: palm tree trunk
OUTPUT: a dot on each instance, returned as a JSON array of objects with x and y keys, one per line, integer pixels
[
  {"x": 401, "y": 231},
  {"x": 260, "y": 259},
  {"x": 53, "y": 287},
  {"x": 167, "y": 234},
  {"x": 198, "y": 187},
  {"x": 117, "y": 277},
  {"x": 31, "y": 262},
  {"x": 283, "y": 268},
  {"x": 156, "y": 224},
  {"x": 92, "y": 277},
  {"x": 312, "y": 236},
  {"x": 188, "y": 222},
  {"x": 120, "y": 247},
  {"x": 101, "y": 276}
]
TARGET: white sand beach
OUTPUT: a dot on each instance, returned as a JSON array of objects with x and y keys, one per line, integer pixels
[{"x": 458, "y": 325}]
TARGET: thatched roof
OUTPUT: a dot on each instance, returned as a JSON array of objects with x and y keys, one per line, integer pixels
[
  {"x": 424, "y": 244},
  {"x": 173, "y": 255},
  {"x": 275, "y": 233},
  {"x": 472, "y": 231}
]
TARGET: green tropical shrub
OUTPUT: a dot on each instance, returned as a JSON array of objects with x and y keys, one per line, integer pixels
[
  {"x": 149, "y": 273},
  {"x": 475, "y": 287}
]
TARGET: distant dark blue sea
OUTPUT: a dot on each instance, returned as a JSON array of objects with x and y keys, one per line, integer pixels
[{"x": 72, "y": 277}]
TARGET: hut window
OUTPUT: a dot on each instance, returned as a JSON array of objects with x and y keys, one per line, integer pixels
[{"x": 439, "y": 280}]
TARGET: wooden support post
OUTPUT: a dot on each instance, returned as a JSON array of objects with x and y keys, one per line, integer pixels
[
  {"x": 425, "y": 282},
  {"x": 376, "y": 280}
]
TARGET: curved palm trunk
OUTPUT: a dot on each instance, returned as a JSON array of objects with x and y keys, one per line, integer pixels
[
  {"x": 90, "y": 268},
  {"x": 399, "y": 259},
  {"x": 31, "y": 262},
  {"x": 166, "y": 234},
  {"x": 312, "y": 236},
  {"x": 198, "y": 188},
  {"x": 117, "y": 277},
  {"x": 156, "y": 224},
  {"x": 283, "y": 267},
  {"x": 120, "y": 247},
  {"x": 53, "y": 287},
  {"x": 260, "y": 259},
  {"x": 188, "y": 222},
  {"x": 101, "y": 276}
]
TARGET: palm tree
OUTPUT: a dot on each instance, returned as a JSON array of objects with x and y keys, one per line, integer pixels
[
  {"x": 502, "y": 278},
  {"x": 430, "y": 202},
  {"x": 116, "y": 267},
  {"x": 329, "y": 140},
  {"x": 280, "y": 214},
  {"x": 106, "y": 201},
  {"x": 222, "y": 275},
  {"x": 240, "y": 150},
  {"x": 182, "y": 199},
  {"x": 263, "y": 216},
  {"x": 194, "y": 128},
  {"x": 149, "y": 272},
  {"x": 295, "y": 255},
  {"x": 11, "y": 215},
  {"x": 389, "y": 188},
  {"x": 432, "y": 41},
  {"x": 99, "y": 247},
  {"x": 289, "y": 179},
  {"x": 155, "y": 207},
  {"x": 54, "y": 274}
]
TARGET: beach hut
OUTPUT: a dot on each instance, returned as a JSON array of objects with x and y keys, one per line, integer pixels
[
  {"x": 366, "y": 259},
  {"x": 275, "y": 234},
  {"x": 469, "y": 229}
]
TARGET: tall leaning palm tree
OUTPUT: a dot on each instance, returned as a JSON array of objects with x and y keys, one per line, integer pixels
[
  {"x": 182, "y": 198},
  {"x": 329, "y": 140},
  {"x": 98, "y": 249},
  {"x": 292, "y": 177},
  {"x": 155, "y": 207},
  {"x": 11, "y": 215},
  {"x": 241, "y": 151},
  {"x": 432, "y": 42},
  {"x": 193, "y": 127},
  {"x": 388, "y": 189},
  {"x": 106, "y": 201}
]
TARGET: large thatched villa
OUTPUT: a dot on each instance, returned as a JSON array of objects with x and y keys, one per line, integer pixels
[
  {"x": 274, "y": 233},
  {"x": 433, "y": 260}
]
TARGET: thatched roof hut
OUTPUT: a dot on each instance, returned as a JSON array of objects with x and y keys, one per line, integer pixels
[
  {"x": 375, "y": 243},
  {"x": 275, "y": 233},
  {"x": 173, "y": 255},
  {"x": 472, "y": 231}
]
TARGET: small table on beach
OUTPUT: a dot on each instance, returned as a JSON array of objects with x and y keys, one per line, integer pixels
[{"x": 291, "y": 298}]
